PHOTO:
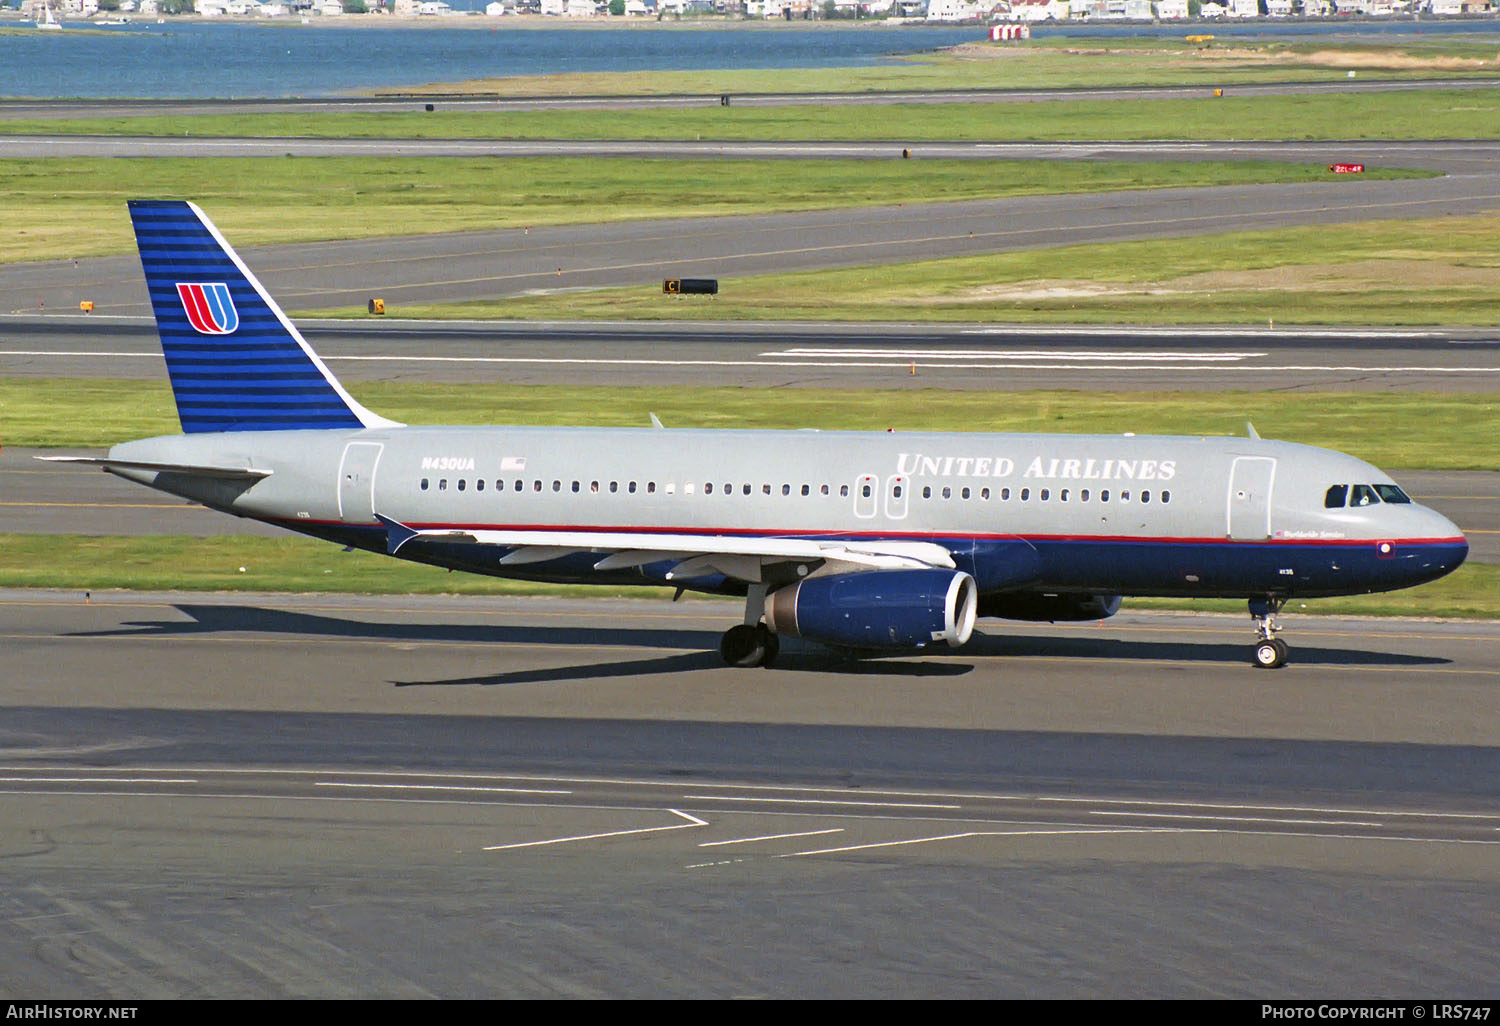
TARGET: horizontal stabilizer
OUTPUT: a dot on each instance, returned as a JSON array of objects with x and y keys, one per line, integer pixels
[{"x": 190, "y": 469}]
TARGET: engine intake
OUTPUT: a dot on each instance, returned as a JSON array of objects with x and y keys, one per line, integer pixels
[{"x": 877, "y": 608}]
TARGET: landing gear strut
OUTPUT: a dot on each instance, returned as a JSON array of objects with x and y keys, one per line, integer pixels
[
  {"x": 1270, "y": 651},
  {"x": 750, "y": 643}
]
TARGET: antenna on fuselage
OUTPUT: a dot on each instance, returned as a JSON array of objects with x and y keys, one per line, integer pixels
[{"x": 1250, "y": 430}]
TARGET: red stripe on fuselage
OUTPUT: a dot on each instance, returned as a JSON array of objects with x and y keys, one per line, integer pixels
[{"x": 933, "y": 536}]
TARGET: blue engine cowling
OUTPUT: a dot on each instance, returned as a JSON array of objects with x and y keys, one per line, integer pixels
[{"x": 877, "y": 608}]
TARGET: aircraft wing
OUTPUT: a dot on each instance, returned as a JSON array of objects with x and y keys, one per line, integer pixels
[{"x": 695, "y": 555}]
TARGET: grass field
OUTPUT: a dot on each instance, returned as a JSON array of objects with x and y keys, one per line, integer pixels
[
  {"x": 1399, "y": 114},
  {"x": 1434, "y": 272},
  {"x": 1417, "y": 429},
  {"x": 62, "y": 209},
  {"x": 1047, "y": 62}
]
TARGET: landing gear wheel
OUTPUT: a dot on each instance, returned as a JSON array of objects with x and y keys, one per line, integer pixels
[
  {"x": 1270, "y": 654},
  {"x": 1270, "y": 651},
  {"x": 772, "y": 646},
  {"x": 744, "y": 645}
]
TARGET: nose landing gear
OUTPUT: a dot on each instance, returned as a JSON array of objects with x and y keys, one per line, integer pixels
[{"x": 1270, "y": 651}]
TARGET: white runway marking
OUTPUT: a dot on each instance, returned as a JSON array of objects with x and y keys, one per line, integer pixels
[
  {"x": 441, "y": 787},
  {"x": 770, "y": 837},
  {"x": 1154, "y": 363},
  {"x": 840, "y": 352},
  {"x": 693, "y": 821},
  {"x": 816, "y": 801}
]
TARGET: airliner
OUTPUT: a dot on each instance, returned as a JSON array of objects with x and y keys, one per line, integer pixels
[{"x": 860, "y": 541}]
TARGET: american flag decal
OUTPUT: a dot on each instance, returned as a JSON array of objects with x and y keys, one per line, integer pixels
[{"x": 209, "y": 309}]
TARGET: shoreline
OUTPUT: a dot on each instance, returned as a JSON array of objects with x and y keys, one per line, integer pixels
[{"x": 478, "y": 20}]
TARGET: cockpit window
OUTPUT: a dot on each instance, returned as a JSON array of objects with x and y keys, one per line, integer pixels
[
  {"x": 1363, "y": 495},
  {"x": 1390, "y": 493},
  {"x": 1336, "y": 497}
]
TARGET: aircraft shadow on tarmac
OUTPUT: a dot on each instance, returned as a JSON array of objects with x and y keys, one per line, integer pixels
[{"x": 701, "y": 646}]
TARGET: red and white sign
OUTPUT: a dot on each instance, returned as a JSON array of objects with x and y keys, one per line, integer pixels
[
  {"x": 1347, "y": 169},
  {"x": 1001, "y": 33}
]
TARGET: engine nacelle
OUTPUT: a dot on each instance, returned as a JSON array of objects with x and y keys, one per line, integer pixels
[
  {"x": 877, "y": 608},
  {"x": 1032, "y": 605}
]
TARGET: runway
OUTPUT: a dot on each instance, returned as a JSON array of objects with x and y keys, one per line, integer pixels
[
  {"x": 60, "y": 108},
  {"x": 339, "y": 796},
  {"x": 319, "y": 796},
  {"x": 414, "y": 269},
  {"x": 771, "y": 355}
]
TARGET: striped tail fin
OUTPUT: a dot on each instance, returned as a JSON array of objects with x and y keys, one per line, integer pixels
[{"x": 236, "y": 362}]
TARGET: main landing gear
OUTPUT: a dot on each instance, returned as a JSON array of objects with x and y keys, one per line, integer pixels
[
  {"x": 750, "y": 643},
  {"x": 1270, "y": 651}
]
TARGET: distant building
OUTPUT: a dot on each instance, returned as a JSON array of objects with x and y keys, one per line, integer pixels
[
  {"x": 1041, "y": 10},
  {"x": 955, "y": 10},
  {"x": 1171, "y": 10}
]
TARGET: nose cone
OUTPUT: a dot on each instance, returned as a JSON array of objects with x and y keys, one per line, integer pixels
[{"x": 1442, "y": 547}]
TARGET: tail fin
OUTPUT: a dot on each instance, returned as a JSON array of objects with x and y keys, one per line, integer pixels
[{"x": 236, "y": 362}]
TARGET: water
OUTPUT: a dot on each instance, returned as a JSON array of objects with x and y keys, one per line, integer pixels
[
  {"x": 204, "y": 59},
  {"x": 191, "y": 59}
]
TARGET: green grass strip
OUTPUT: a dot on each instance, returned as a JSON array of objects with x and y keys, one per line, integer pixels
[
  {"x": 75, "y": 207},
  {"x": 296, "y": 564},
  {"x": 1399, "y": 114},
  {"x": 1428, "y": 430},
  {"x": 1402, "y": 273},
  {"x": 1044, "y": 63}
]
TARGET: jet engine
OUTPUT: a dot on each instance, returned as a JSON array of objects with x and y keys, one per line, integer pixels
[
  {"x": 1032, "y": 605},
  {"x": 877, "y": 608}
]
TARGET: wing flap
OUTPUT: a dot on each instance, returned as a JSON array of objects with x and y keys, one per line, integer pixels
[{"x": 734, "y": 556}]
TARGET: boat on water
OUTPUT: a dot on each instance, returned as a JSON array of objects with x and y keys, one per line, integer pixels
[{"x": 48, "y": 20}]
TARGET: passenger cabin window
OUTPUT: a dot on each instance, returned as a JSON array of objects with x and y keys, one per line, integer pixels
[{"x": 1335, "y": 497}]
